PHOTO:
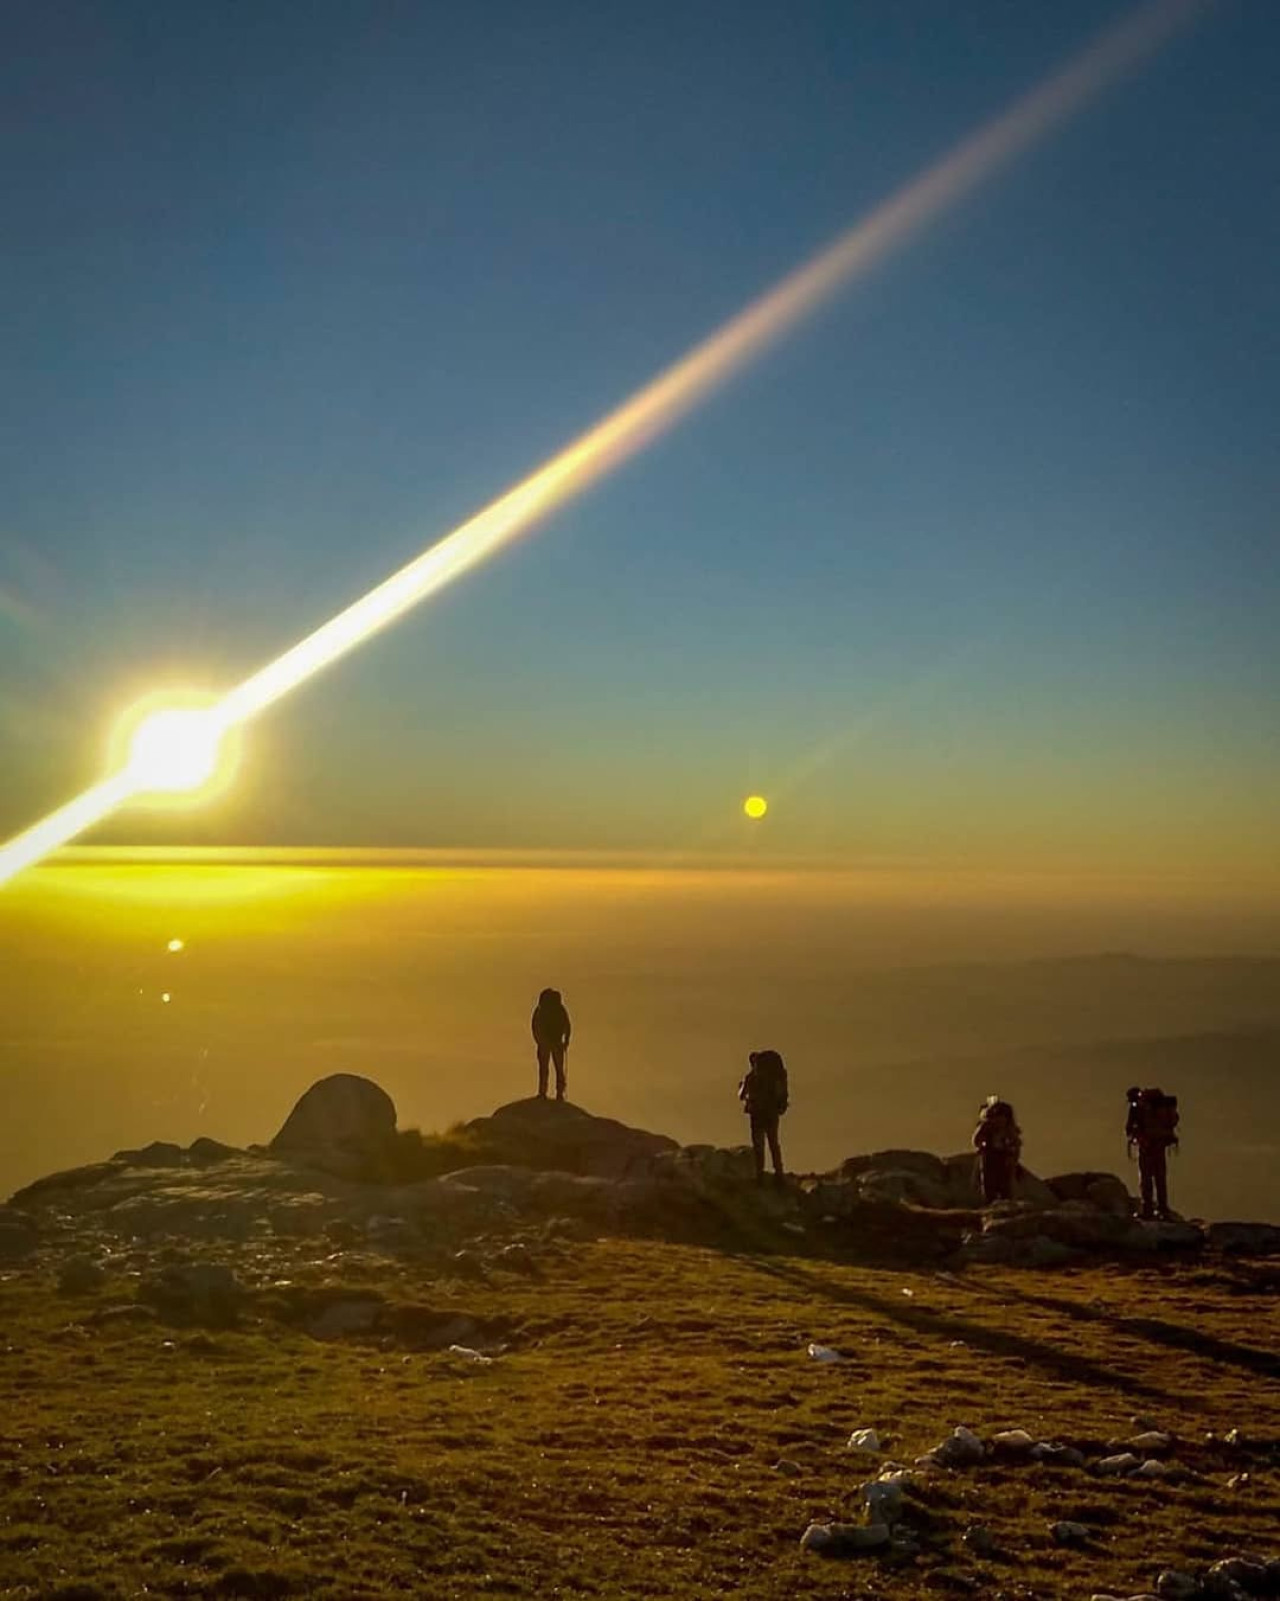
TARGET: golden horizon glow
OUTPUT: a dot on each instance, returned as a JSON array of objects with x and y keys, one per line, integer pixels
[
  {"x": 656, "y": 407},
  {"x": 755, "y": 806}
]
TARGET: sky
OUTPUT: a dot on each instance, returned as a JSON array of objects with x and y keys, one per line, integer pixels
[{"x": 978, "y": 569}]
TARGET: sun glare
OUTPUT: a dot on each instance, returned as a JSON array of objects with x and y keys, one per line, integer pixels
[
  {"x": 755, "y": 806},
  {"x": 174, "y": 751}
]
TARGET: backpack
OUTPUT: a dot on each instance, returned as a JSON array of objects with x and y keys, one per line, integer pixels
[
  {"x": 764, "y": 1087},
  {"x": 1153, "y": 1117},
  {"x": 997, "y": 1127}
]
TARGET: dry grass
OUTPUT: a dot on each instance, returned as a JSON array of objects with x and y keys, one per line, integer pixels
[{"x": 625, "y": 1444}]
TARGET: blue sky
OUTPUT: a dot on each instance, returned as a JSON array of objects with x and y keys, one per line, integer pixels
[{"x": 292, "y": 289}]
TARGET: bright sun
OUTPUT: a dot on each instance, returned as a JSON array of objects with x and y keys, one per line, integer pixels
[
  {"x": 174, "y": 750},
  {"x": 755, "y": 806}
]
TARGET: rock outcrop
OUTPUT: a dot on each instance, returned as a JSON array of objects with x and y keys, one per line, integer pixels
[
  {"x": 339, "y": 1169},
  {"x": 556, "y": 1135}
]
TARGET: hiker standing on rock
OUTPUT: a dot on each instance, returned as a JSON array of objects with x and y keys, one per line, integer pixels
[
  {"x": 763, "y": 1093},
  {"x": 551, "y": 1030},
  {"x": 998, "y": 1142},
  {"x": 1152, "y": 1126}
]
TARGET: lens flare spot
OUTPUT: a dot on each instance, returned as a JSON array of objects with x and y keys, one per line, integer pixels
[
  {"x": 166, "y": 997},
  {"x": 755, "y": 806},
  {"x": 174, "y": 751},
  {"x": 176, "y": 945}
]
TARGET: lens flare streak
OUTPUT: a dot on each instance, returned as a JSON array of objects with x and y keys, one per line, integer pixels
[{"x": 661, "y": 403}]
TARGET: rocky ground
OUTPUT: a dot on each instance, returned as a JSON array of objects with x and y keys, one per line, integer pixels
[{"x": 615, "y": 1367}]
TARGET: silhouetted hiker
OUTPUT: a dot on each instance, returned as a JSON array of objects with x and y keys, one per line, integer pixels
[
  {"x": 763, "y": 1093},
  {"x": 551, "y": 1030},
  {"x": 1152, "y": 1126},
  {"x": 998, "y": 1142}
]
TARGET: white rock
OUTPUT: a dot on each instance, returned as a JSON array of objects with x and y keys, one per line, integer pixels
[
  {"x": 864, "y": 1440},
  {"x": 843, "y": 1539},
  {"x": 825, "y": 1353},
  {"x": 1154, "y": 1469},
  {"x": 1124, "y": 1462},
  {"x": 469, "y": 1354}
]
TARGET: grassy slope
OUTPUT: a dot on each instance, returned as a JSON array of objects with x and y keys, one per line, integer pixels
[{"x": 626, "y": 1444}]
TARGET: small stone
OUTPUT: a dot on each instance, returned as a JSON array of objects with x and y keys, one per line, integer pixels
[
  {"x": 787, "y": 1467},
  {"x": 1154, "y": 1469},
  {"x": 1113, "y": 1466},
  {"x": 980, "y": 1540},
  {"x": 864, "y": 1440},
  {"x": 1069, "y": 1534},
  {"x": 844, "y": 1539},
  {"x": 1238, "y": 1481},
  {"x": 1233, "y": 1437}
]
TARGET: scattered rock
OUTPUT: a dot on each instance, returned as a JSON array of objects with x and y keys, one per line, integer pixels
[
  {"x": 1115, "y": 1466},
  {"x": 883, "y": 1499},
  {"x": 1057, "y": 1456},
  {"x": 980, "y": 1540},
  {"x": 863, "y": 1439},
  {"x": 844, "y": 1539},
  {"x": 1174, "y": 1585},
  {"x": 787, "y": 1467},
  {"x": 962, "y": 1448},
  {"x": 825, "y": 1353},
  {"x": 1252, "y": 1577},
  {"x": 1152, "y": 1442},
  {"x": 1153, "y": 1468},
  {"x": 1012, "y": 1442},
  {"x": 470, "y": 1354},
  {"x": 1069, "y": 1534}
]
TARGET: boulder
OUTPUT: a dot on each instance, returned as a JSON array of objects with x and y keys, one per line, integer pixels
[
  {"x": 343, "y": 1124},
  {"x": 922, "y": 1163},
  {"x": 558, "y": 1136},
  {"x": 1246, "y": 1239},
  {"x": 1171, "y": 1234},
  {"x": 1103, "y": 1190}
]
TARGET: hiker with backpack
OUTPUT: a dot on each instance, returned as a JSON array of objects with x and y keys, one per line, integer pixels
[
  {"x": 764, "y": 1096},
  {"x": 998, "y": 1142},
  {"x": 1152, "y": 1127},
  {"x": 551, "y": 1030}
]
